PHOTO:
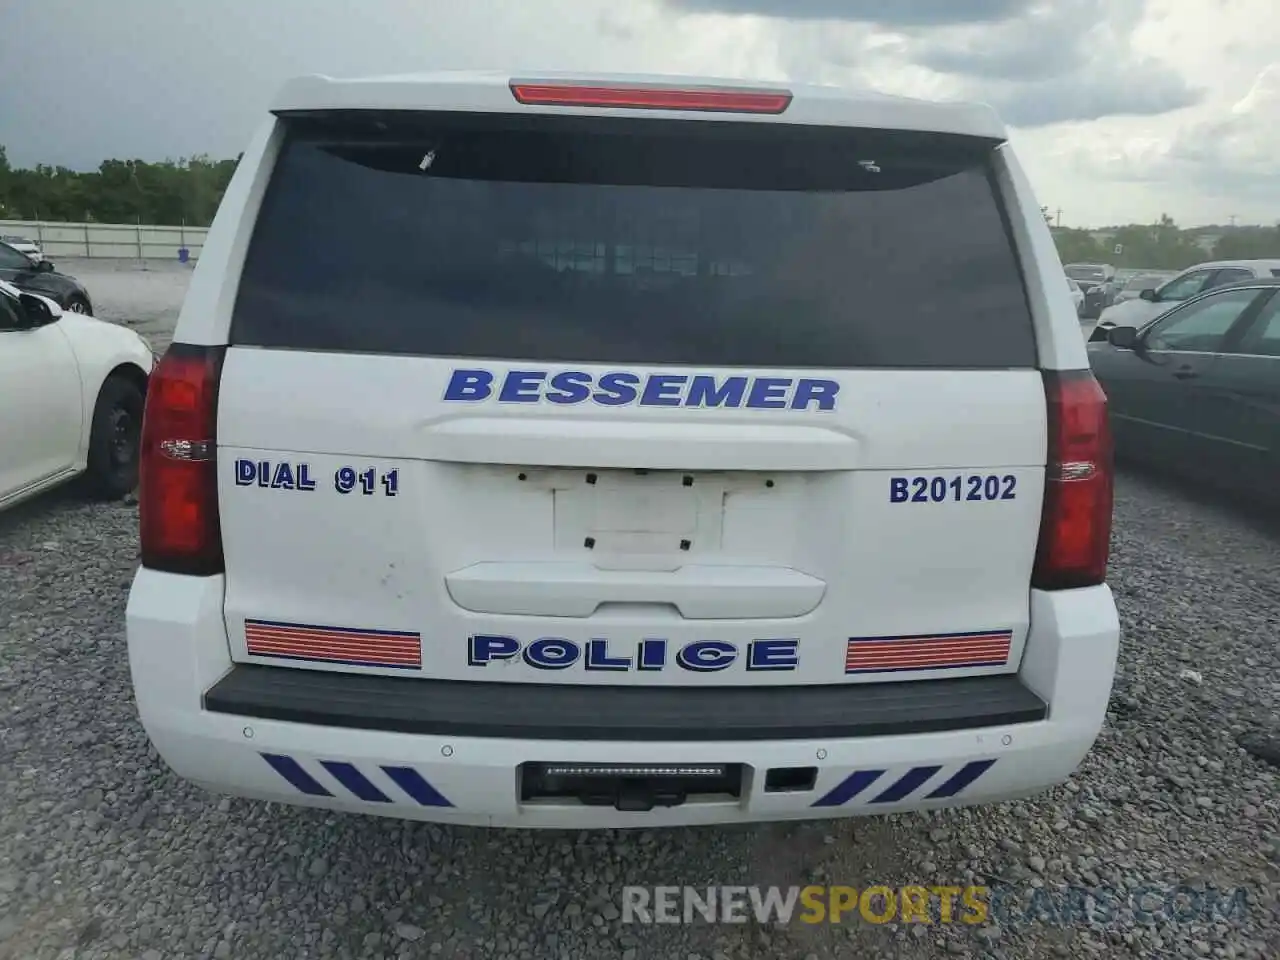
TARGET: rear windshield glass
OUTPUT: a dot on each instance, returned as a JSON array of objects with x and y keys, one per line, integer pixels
[{"x": 633, "y": 242}]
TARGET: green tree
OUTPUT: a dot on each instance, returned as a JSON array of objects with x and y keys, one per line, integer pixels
[
  {"x": 120, "y": 191},
  {"x": 1248, "y": 243},
  {"x": 1158, "y": 246},
  {"x": 1078, "y": 246},
  {"x": 4, "y": 181}
]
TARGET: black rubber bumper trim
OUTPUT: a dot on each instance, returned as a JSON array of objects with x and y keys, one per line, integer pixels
[{"x": 460, "y": 708}]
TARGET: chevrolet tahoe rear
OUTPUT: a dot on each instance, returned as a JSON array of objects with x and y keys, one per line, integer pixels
[{"x": 637, "y": 476}]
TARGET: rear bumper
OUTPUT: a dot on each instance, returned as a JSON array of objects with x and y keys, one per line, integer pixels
[
  {"x": 452, "y": 755},
  {"x": 456, "y": 708}
]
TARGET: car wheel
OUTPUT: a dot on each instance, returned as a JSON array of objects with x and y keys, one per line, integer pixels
[
  {"x": 115, "y": 439},
  {"x": 78, "y": 304}
]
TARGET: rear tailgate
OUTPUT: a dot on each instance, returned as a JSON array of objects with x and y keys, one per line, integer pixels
[{"x": 606, "y": 401}]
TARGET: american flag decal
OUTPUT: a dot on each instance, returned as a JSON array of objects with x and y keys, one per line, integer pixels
[
  {"x": 349, "y": 645},
  {"x": 928, "y": 651}
]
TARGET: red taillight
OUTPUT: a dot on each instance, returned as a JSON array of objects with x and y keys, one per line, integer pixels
[
  {"x": 716, "y": 99},
  {"x": 178, "y": 482},
  {"x": 1075, "y": 528}
]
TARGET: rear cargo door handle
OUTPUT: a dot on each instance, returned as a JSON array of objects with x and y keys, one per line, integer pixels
[
  {"x": 1186, "y": 373},
  {"x": 698, "y": 591},
  {"x": 585, "y": 442}
]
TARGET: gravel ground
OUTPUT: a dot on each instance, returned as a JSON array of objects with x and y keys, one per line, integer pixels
[
  {"x": 145, "y": 296},
  {"x": 104, "y": 853}
]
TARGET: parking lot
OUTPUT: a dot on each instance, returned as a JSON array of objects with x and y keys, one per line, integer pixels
[{"x": 104, "y": 853}]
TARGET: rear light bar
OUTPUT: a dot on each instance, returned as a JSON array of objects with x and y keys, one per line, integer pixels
[
  {"x": 178, "y": 482},
  {"x": 641, "y": 770},
  {"x": 1075, "y": 526},
  {"x": 715, "y": 99}
]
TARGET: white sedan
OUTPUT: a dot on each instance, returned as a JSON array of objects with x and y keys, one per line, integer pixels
[
  {"x": 24, "y": 245},
  {"x": 71, "y": 397},
  {"x": 1150, "y": 304}
]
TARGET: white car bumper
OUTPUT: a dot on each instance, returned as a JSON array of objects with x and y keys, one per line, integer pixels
[{"x": 178, "y": 650}]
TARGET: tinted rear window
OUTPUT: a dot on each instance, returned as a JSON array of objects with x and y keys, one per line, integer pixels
[{"x": 633, "y": 242}]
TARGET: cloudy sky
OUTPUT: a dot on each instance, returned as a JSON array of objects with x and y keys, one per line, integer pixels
[{"x": 1121, "y": 109}]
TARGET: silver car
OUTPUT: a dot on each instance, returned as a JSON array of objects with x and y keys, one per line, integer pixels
[{"x": 1134, "y": 286}]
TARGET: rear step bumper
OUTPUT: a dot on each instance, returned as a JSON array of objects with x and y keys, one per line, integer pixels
[
  {"x": 532, "y": 758},
  {"x": 460, "y": 708}
]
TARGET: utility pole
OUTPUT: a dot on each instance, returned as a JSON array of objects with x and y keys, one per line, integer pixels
[{"x": 1232, "y": 219}]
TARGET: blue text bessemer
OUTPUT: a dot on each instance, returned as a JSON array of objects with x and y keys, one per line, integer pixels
[{"x": 623, "y": 388}]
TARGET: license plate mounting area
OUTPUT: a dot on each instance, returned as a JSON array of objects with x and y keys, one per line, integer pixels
[
  {"x": 633, "y": 514},
  {"x": 634, "y": 788}
]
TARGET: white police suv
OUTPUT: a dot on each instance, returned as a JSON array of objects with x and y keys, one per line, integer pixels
[{"x": 681, "y": 452}]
